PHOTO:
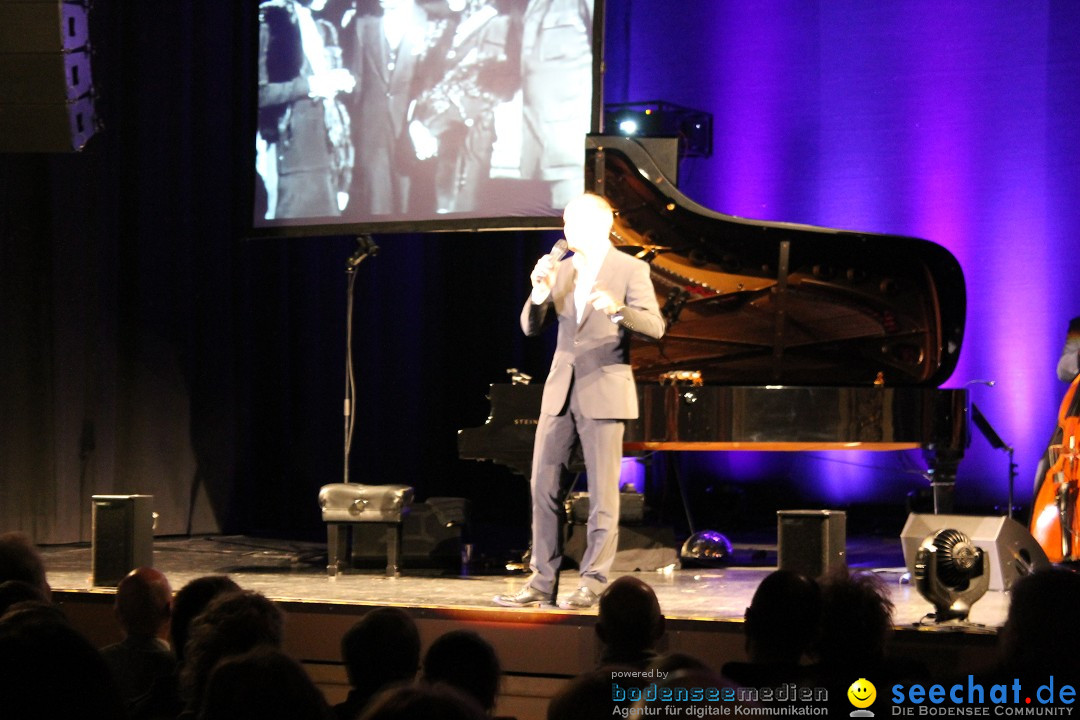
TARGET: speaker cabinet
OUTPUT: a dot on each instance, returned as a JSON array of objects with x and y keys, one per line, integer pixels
[
  {"x": 811, "y": 542},
  {"x": 1013, "y": 552},
  {"x": 123, "y": 536},
  {"x": 46, "y": 91}
]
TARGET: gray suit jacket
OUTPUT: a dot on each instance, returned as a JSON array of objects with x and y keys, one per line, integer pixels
[{"x": 595, "y": 354}]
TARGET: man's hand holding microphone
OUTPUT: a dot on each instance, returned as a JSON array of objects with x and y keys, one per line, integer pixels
[{"x": 543, "y": 274}]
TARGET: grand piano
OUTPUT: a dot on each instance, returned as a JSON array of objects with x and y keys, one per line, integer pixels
[{"x": 780, "y": 336}]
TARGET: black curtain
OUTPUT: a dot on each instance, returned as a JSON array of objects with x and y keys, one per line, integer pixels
[{"x": 149, "y": 345}]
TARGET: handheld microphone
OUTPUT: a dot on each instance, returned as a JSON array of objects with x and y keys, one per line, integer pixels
[
  {"x": 544, "y": 273},
  {"x": 559, "y": 250}
]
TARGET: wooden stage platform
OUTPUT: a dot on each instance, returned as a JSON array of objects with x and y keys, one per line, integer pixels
[{"x": 539, "y": 648}]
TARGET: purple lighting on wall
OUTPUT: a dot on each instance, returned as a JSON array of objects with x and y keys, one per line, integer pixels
[{"x": 952, "y": 122}]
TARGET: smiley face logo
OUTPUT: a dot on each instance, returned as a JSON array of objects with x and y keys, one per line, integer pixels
[{"x": 862, "y": 693}]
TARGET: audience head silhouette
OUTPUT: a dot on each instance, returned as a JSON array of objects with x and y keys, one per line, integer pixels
[
  {"x": 670, "y": 663},
  {"x": 263, "y": 683},
  {"x": 1038, "y": 638},
  {"x": 232, "y": 624},
  {"x": 586, "y": 697},
  {"x": 143, "y": 603},
  {"x": 20, "y": 560},
  {"x": 464, "y": 660},
  {"x": 782, "y": 620},
  {"x": 856, "y": 620},
  {"x": 423, "y": 702},
  {"x": 629, "y": 623},
  {"x": 191, "y": 600},
  {"x": 13, "y": 592},
  {"x": 49, "y": 670},
  {"x": 382, "y": 649}
]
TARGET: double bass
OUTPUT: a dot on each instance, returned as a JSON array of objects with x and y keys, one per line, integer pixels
[{"x": 1055, "y": 523}]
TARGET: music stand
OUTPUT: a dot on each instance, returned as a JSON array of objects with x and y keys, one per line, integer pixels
[{"x": 997, "y": 443}]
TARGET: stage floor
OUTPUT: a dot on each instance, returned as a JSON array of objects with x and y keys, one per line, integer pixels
[{"x": 295, "y": 572}]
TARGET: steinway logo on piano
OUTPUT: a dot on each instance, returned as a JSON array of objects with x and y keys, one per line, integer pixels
[{"x": 526, "y": 421}]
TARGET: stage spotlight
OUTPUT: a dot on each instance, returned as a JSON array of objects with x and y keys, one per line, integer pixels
[
  {"x": 628, "y": 127},
  {"x": 951, "y": 573},
  {"x": 707, "y": 548}
]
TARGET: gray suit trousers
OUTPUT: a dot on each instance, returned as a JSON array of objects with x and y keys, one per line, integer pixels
[{"x": 601, "y": 442}]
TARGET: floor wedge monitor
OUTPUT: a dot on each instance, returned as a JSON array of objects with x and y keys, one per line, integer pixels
[{"x": 1013, "y": 552}]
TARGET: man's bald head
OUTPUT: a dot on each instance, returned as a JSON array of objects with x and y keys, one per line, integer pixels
[
  {"x": 144, "y": 602},
  {"x": 587, "y": 222}
]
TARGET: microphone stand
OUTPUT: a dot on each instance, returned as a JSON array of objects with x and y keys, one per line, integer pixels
[{"x": 365, "y": 248}]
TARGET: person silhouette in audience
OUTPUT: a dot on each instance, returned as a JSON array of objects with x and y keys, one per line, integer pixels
[
  {"x": 190, "y": 601},
  {"x": 592, "y": 694},
  {"x": 49, "y": 670},
  {"x": 781, "y": 626},
  {"x": 232, "y": 624},
  {"x": 143, "y": 607},
  {"x": 381, "y": 650},
  {"x": 20, "y": 560},
  {"x": 18, "y": 591},
  {"x": 1038, "y": 639},
  {"x": 585, "y": 697},
  {"x": 464, "y": 660},
  {"x": 856, "y": 621},
  {"x": 856, "y": 625},
  {"x": 423, "y": 702},
  {"x": 629, "y": 623},
  {"x": 669, "y": 663},
  {"x": 162, "y": 701},
  {"x": 263, "y": 683}
]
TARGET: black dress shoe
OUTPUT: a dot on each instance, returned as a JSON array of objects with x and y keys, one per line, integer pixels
[
  {"x": 581, "y": 599},
  {"x": 525, "y": 597}
]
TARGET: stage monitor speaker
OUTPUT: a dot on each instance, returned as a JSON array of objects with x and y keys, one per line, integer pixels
[
  {"x": 631, "y": 508},
  {"x": 46, "y": 90},
  {"x": 123, "y": 536},
  {"x": 811, "y": 542},
  {"x": 641, "y": 548},
  {"x": 1013, "y": 552},
  {"x": 432, "y": 536}
]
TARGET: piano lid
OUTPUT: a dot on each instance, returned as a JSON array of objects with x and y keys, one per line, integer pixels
[{"x": 756, "y": 302}]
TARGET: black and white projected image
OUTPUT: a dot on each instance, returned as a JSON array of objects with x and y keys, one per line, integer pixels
[{"x": 392, "y": 111}]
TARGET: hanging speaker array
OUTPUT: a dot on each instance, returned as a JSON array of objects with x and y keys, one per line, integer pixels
[{"x": 46, "y": 88}]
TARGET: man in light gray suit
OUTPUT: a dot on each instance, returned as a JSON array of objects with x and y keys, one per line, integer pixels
[{"x": 599, "y": 296}]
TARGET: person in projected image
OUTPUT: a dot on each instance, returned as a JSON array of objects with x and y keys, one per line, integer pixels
[
  {"x": 598, "y": 297},
  {"x": 454, "y": 120},
  {"x": 556, "y": 76},
  {"x": 300, "y": 154},
  {"x": 384, "y": 51}
]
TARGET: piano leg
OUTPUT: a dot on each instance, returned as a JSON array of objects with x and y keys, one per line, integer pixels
[{"x": 943, "y": 465}]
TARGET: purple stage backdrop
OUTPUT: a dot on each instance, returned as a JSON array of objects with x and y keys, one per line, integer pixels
[{"x": 955, "y": 121}]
